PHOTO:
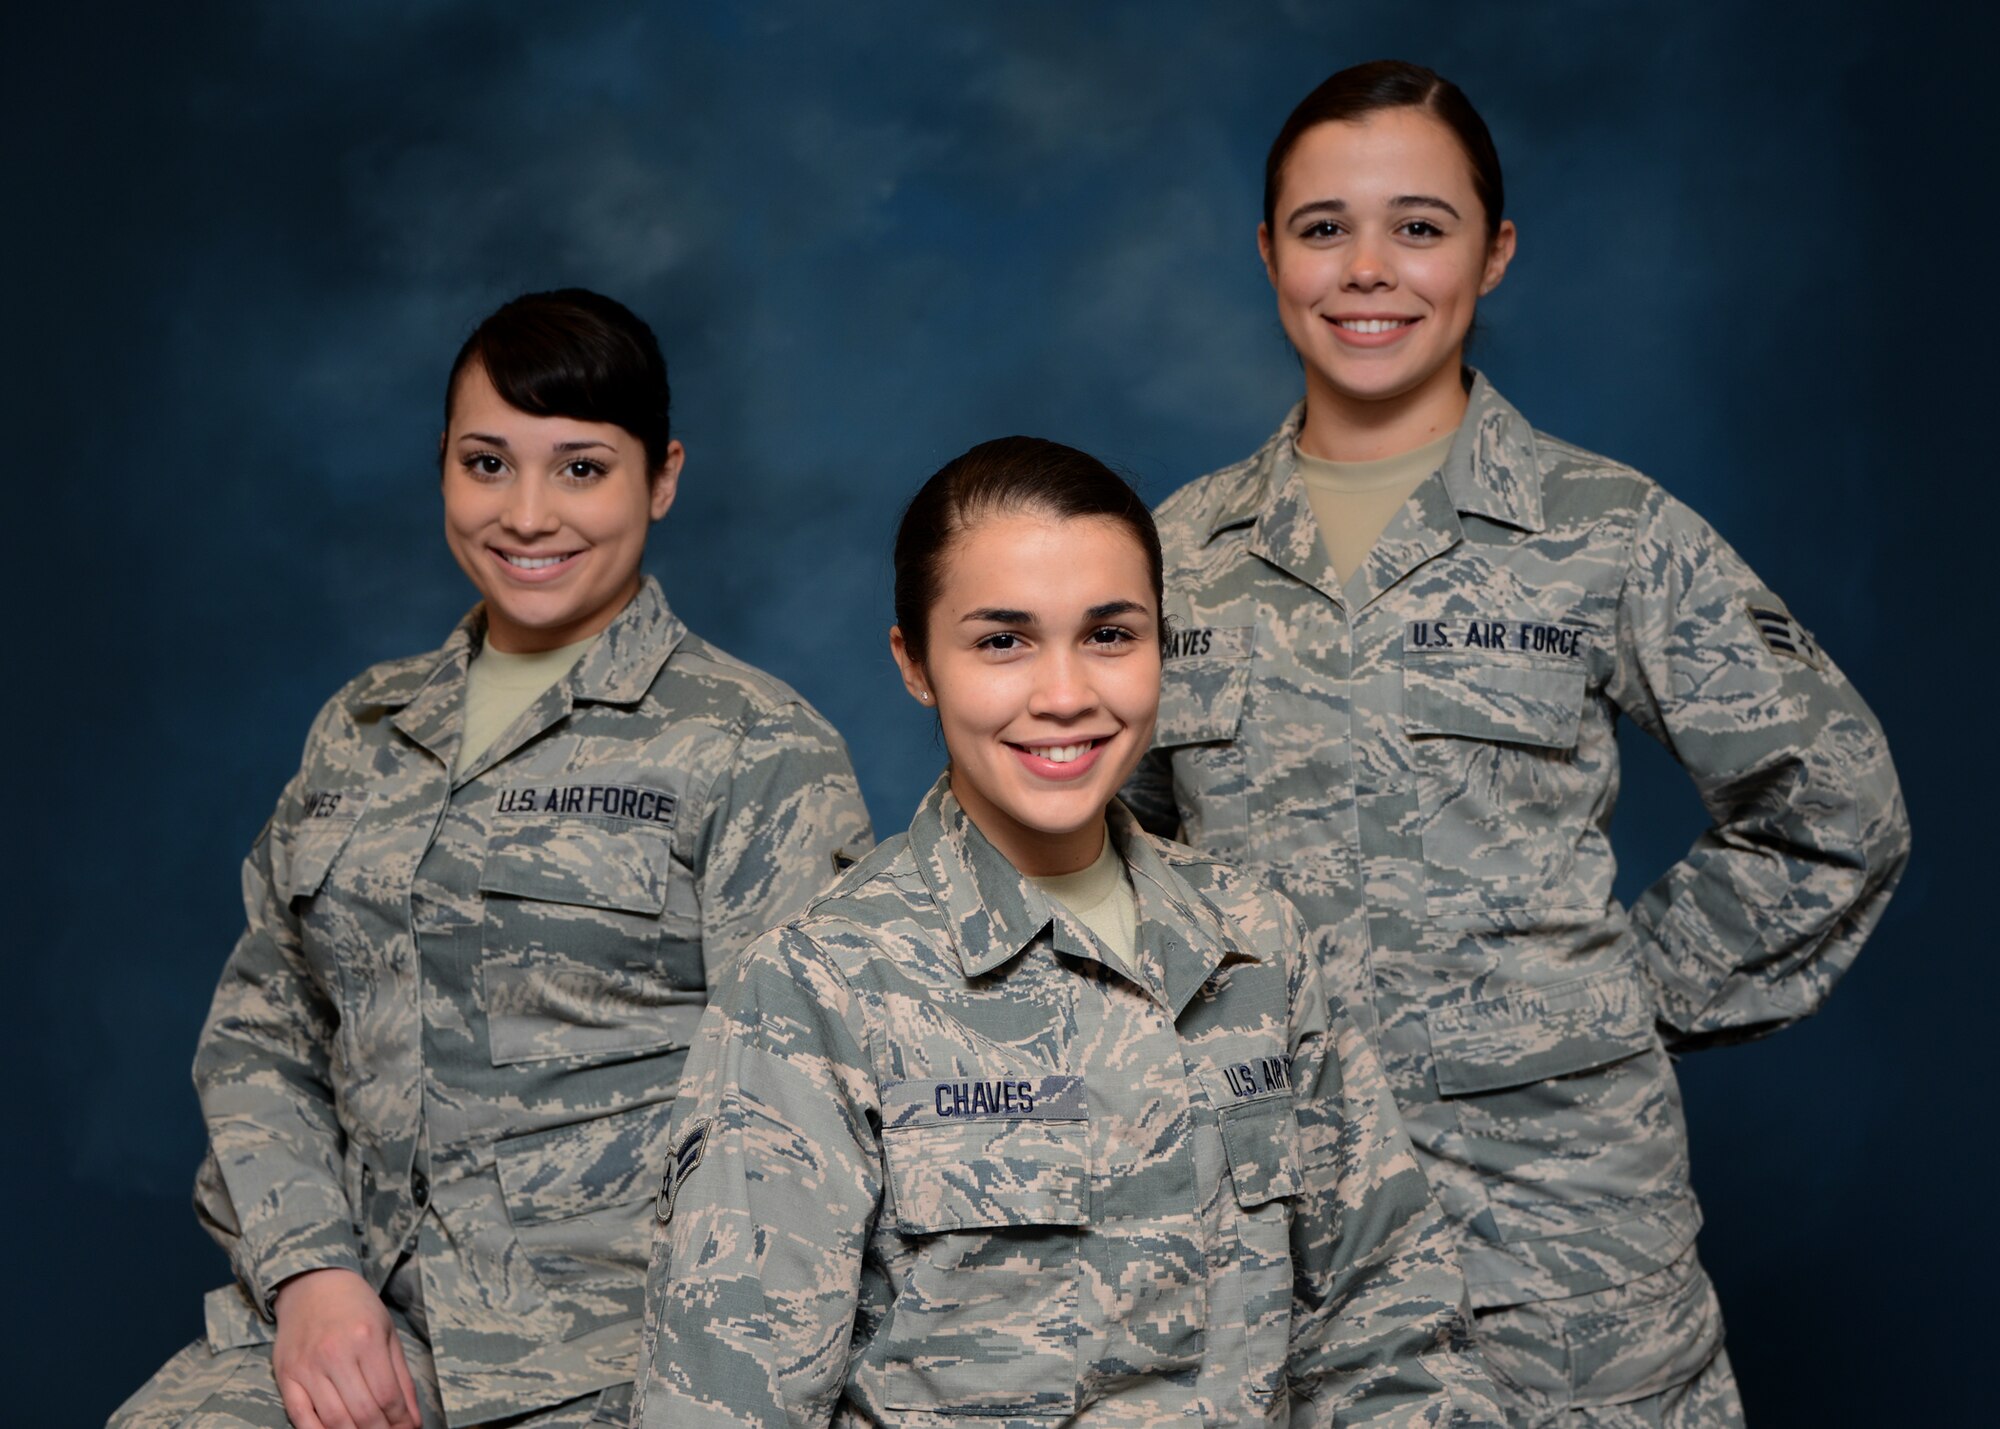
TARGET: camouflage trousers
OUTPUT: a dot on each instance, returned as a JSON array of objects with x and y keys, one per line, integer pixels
[
  {"x": 1644, "y": 1355},
  {"x": 204, "y": 1388}
]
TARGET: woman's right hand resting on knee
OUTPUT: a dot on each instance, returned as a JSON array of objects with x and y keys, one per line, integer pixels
[{"x": 337, "y": 1359}]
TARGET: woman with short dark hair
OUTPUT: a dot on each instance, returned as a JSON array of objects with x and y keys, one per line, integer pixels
[{"x": 483, "y": 922}]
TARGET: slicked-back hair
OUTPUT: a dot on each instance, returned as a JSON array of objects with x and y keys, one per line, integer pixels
[
  {"x": 1006, "y": 476},
  {"x": 1360, "y": 90},
  {"x": 573, "y": 353}
]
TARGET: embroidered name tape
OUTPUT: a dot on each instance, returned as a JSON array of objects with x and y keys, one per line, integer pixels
[
  {"x": 1532, "y": 637},
  {"x": 601, "y": 801},
  {"x": 946, "y": 1101},
  {"x": 334, "y": 803},
  {"x": 1258, "y": 1077},
  {"x": 1191, "y": 642}
]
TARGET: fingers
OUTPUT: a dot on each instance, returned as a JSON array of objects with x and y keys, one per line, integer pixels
[
  {"x": 370, "y": 1389},
  {"x": 403, "y": 1380},
  {"x": 298, "y": 1405}
]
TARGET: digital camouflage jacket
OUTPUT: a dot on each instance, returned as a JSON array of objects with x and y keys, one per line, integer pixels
[
  {"x": 454, "y": 1025},
  {"x": 940, "y": 1157},
  {"x": 1425, "y": 763}
]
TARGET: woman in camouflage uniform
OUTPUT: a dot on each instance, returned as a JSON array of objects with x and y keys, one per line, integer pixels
[
  {"x": 1406, "y": 628},
  {"x": 964, "y": 1140},
  {"x": 483, "y": 922}
]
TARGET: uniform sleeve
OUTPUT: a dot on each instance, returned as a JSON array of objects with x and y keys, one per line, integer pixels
[
  {"x": 782, "y": 819},
  {"x": 767, "y": 1205},
  {"x": 271, "y": 1192},
  {"x": 1149, "y": 794},
  {"x": 1381, "y": 1330},
  {"x": 1752, "y": 929}
]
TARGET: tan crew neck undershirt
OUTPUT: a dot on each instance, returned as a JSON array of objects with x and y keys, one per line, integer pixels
[
  {"x": 498, "y": 686},
  {"x": 1101, "y": 897},
  {"x": 1353, "y": 501}
]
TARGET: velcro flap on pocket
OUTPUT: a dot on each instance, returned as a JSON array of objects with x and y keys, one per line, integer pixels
[
  {"x": 552, "y": 1006},
  {"x": 1506, "y": 701},
  {"x": 585, "y": 1166},
  {"x": 1260, "y": 1139},
  {"x": 623, "y": 866},
  {"x": 1201, "y": 696},
  {"x": 1538, "y": 1033},
  {"x": 301, "y": 858},
  {"x": 983, "y": 1174}
]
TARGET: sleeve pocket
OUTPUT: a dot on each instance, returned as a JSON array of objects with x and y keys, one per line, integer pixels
[
  {"x": 1259, "y": 1140},
  {"x": 1506, "y": 702},
  {"x": 1539, "y": 1033}
]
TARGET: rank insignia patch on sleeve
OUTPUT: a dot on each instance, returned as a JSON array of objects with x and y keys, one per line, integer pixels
[
  {"x": 1781, "y": 632},
  {"x": 680, "y": 1165}
]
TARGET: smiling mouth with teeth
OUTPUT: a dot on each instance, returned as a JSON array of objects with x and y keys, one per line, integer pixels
[
  {"x": 534, "y": 563},
  {"x": 1063, "y": 753},
  {"x": 1372, "y": 325}
]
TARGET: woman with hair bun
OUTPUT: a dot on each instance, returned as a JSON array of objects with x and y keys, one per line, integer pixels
[
  {"x": 1404, "y": 631},
  {"x": 1035, "y": 1118},
  {"x": 483, "y": 922}
]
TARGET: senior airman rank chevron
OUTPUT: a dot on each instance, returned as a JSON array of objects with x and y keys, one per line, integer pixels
[{"x": 1781, "y": 632}]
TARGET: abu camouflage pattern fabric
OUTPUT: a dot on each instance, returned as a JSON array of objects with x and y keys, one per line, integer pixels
[
  {"x": 1425, "y": 763},
  {"x": 454, "y": 1026},
  {"x": 939, "y": 1157}
]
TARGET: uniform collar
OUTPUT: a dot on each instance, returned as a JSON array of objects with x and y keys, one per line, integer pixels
[
  {"x": 619, "y": 668},
  {"x": 1493, "y": 471},
  {"x": 992, "y": 912}
]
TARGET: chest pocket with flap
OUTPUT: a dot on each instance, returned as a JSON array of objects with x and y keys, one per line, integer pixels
[
  {"x": 986, "y": 1321},
  {"x": 580, "y": 955}
]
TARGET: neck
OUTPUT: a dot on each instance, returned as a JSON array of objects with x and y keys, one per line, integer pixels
[
  {"x": 1342, "y": 427},
  {"x": 512, "y": 638},
  {"x": 1036, "y": 853}
]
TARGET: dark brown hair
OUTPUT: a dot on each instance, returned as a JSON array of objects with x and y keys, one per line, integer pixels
[
  {"x": 1360, "y": 90},
  {"x": 1008, "y": 474},
  {"x": 573, "y": 353}
]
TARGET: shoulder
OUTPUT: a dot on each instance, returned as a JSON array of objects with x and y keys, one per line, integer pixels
[
  {"x": 1252, "y": 908},
  {"x": 700, "y": 677},
  {"x": 375, "y": 693},
  {"x": 1580, "y": 486},
  {"x": 1193, "y": 513}
]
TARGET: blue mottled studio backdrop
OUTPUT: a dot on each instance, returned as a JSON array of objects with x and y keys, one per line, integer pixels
[{"x": 244, "y": 240}]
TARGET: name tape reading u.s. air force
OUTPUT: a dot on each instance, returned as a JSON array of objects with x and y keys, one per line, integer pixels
[
  {"x": 1528, "y": 637},
  {"x": 944, "y": 1101},
  {"x": 1258, "y": 1077},
  {"x": 601, "y": 801}
]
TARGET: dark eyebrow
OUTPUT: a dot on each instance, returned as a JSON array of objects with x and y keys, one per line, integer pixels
[
  {"x": 1318, "y": 205},
  {"x": 501, "y": 442},
  {"x": 1422, "y": 201},
  {"x": 1114, "y": 607},
  {"x": 1339, "y": 205},
  {"x": 997, "y": 616}
]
